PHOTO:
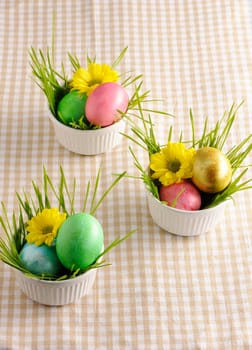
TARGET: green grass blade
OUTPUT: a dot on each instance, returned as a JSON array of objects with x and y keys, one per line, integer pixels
[{"x": 95, "y": 206}]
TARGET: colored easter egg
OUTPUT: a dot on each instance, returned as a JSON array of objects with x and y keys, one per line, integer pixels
[
  {"x": 105, "y": 103},
  {"x": 79, "y": 241},
  {"x": 40, "y": 259},
  {"x": 71, "y": 107},
  {"x": 212, "y": 170},
  {"x": 183, "y": 195}
]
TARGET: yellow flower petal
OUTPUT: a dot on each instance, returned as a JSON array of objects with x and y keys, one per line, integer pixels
[
  {"x": 43, "y": 227},
  {"x": 86, "y": 80},
  {"x": 172, "y": 164}
]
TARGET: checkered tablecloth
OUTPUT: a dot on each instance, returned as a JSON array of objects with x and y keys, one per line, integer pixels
[{"x": 162, "y": 291}]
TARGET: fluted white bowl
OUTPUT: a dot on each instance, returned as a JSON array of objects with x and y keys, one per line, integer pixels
[
  {"x": 88, "y": 142},
  {"x": 56, "y": 293},
  {"x": 184, "y": 222}
]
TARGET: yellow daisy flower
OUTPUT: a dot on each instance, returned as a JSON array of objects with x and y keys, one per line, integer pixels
[
  {"x": 43, "y": 227},
  {"x": 172, "y": 164},
  {"x": 86, "y": 80}
]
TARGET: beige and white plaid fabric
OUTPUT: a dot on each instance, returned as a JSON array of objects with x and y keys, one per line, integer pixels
[{"x": 162, "y": 291}]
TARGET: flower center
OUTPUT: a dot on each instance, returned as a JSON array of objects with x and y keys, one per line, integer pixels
[
  {"x": 94, "y": 82},
  {"x": 47, "y": 229},
  {"x": 174, "y": 165}
]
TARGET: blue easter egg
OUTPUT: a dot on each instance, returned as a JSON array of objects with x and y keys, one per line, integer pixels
[{"x": 41, "y": 259}]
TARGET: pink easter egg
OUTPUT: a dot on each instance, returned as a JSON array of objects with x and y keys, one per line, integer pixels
[
  {"x": 105, "y": 103},
  {"x": 183, "y": 195}
]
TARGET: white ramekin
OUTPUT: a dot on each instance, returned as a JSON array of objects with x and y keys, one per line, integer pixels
[
  {"x": 184, "y": 222},
  {"x": 88, "y": 142},
  {"x": 56, "y": 293}
]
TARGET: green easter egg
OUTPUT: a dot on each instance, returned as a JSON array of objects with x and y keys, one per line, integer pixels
[
  {"x": 71, "y": 107},
  {"x": 79, "y": 241},
  {"x": 40, "y": 259}
]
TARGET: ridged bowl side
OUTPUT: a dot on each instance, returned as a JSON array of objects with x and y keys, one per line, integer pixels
[
  {"x": 183, "y": 222},
  {"x": 56, "y": 293},
  {"x": 88, "y": 142}
]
